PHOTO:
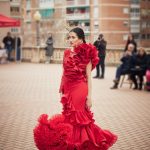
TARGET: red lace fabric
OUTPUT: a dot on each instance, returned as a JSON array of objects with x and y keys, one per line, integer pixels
[
  {"x": 74, "y": 129},
  {"x": 74, "y": 63}
]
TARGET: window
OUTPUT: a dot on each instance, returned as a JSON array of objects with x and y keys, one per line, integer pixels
[
  {"x": 148, "y": 36},
  {"x": 135, "y": 22},
  {"x": 125, "y": 37},
  {"x": 126, "y": 23},
  {"x": 148, "y": 24},
  {"x": 96, "y": 2},
  {"x": 135, "y": 12},
  {"x": 46, "y": 13},
  {"x": 96, "y": 12},
  {"x": 144, "y": 24},
  {"x": 14, "y": 30},
  {"x": 125, "y": 10},
  {"x": 135, "y": 1},
  {"x": 136, "y": 36},
  {"x": 14, "y": 9},
  {"x": 144, "y": 12},
  {"x": 143, "y": 36},
  {"x": 28, "y": 4}
]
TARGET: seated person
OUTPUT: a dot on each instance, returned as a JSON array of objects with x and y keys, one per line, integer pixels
[
  {"x": 3, "y": 54},
  {"x": 139, "y": 68},
  {"x": 124, "y": 68}
]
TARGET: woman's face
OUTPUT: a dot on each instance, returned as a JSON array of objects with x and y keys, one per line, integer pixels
[
  {"x": 74, "y": 40},
  {"x": 141, "y": 52}
]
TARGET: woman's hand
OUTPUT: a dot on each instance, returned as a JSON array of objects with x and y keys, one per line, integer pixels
[
  {"x": 88, "y": 103},
  {"x": 137, "y": 67},
  {"x": 61, "y": 94}
]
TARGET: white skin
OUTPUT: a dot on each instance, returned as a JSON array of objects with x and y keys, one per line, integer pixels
[
  {"x": 75, "y": 41},
  {"x": 129, "y": 50}
]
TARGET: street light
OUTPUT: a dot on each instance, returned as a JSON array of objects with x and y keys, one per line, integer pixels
[{"x": 37, "y": 18}]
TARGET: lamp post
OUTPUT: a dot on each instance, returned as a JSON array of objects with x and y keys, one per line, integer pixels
[
  {"x": 36, "y": 51},
  {"x": 37, "y": 18}
]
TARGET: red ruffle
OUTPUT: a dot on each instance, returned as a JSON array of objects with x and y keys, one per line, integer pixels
[
  {"x": 94, "y": 138},
  {"x": 74, "y": 129},
  {"x": 52, "y": 134},
  {"x": 71, "y": 130},
  {"x": 75, "y": 62},
  {"x": 86, "y": 53},
  {"x": 75, "y": 117}
]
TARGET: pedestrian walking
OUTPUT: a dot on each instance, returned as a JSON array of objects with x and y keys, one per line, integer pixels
[
  {"x": 17, "y": 47},
  {"x": 74, "y": 129},
  {"x": 49, "y": 49},
  {"x": 100, "y": 44},
  {"x": 8, "y": 42}
]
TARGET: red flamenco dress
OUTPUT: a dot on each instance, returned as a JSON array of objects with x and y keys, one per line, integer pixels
[{"x": 74, "y": 129}]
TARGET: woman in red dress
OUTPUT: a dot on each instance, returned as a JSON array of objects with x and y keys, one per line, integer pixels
[{"x": 74, "y": 129}]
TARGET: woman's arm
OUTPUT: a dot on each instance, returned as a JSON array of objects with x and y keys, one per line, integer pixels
[{"x": 88, "y": 74}]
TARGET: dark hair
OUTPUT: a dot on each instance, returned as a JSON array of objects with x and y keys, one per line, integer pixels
[
  {"x": 100, "y": 36},
  {"x": 79, "y": 32}
]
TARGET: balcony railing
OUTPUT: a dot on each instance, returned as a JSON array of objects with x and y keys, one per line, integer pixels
[
  {"x": 77, "y": 3},
  {"x": 15, "y": 3},
  {"x": 77, "y": 16},
  {"x": 135, "y": 28},
  {"x": 31, "y": 54}
]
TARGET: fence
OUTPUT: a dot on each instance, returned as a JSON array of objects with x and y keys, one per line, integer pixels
[{"x": 37, "y": 55}]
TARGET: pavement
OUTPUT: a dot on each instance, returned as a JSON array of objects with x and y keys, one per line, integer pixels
[{"x": 28, "y": 90}]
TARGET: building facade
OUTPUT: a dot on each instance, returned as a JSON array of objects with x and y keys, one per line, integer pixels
[
  {"x": 115, "y": 19},
  {"x": 15, "y": 12},
  {"x": 145, "y": 23},
  {"x": 4, "y": 9}
]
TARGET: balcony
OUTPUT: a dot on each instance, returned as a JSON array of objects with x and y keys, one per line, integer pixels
[
  {"x": 86, "y": 29},
  {"x": 14, "y": 3},
  {"x": 78, "y": 16},
  {"x": 135, "y": 28},
  {"x": 80, "y": 3},
  {"x": 135, "y": 16}
]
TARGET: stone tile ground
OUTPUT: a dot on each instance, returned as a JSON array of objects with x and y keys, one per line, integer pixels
[{"x": 28, "y": 90}]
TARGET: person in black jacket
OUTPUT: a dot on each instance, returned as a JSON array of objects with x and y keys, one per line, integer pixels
[
  {"x": 126, "y": 65},
  {"x": 17, "y": 47},
  {"x": 100, "y": 44},
  {"x": 49, "y": 48},
  {"x": 131, "y": 41},
  {"x": 139, "y": 68},
  {"x": 8, "y": 42}
]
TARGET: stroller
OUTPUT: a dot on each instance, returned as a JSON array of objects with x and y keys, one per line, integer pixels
[
  {"x": 147, "y": 86},
  {"x": 147, "y": 80}
]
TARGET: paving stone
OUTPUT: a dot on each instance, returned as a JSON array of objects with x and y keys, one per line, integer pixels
[{"x": 28, "y": 90}]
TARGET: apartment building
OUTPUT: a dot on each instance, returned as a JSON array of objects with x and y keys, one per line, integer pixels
[
  {"x": 78, "y": 14},
  {"x": 135, "y": 19},
  {"x": 4, "y": 9},
  {"x": 145, "y": 23},
  {"x": 115, "y": 19},
  {"x": 15, "y": 12}
]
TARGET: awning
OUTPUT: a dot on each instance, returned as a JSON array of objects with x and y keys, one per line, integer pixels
[{"x": 8, "y": 22}]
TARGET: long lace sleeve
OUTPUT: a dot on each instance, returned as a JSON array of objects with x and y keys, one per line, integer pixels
[
  {"x": 94, "y": 56},
  {"x": 61, "y": 88}
]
